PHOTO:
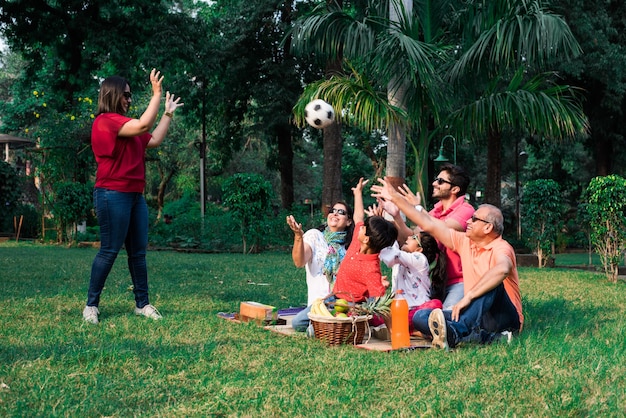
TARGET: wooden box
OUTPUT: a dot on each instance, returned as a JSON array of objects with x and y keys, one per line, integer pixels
[{"x": 256, "y": 311}]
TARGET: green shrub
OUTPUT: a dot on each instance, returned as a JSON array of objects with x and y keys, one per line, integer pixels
[
  {"x": 31, "y": 220},
  {"x": 72, "y": 203},
  {"x": 605, "y": 199},
  {"x": 10, "y": 187},
  {"x": 220, "y": 231},
  {"x": 248, "y": 196},
  {"x": 542, "y": 220}
]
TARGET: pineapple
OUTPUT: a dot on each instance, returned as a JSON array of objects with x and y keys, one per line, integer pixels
[{"x": 376, "y": 306}]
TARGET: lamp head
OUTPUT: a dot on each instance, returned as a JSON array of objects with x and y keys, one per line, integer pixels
[{"x": 441, "y": 158}]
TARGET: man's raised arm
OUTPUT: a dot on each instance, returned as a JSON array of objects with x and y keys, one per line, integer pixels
[{"x": 433, "y": 226}]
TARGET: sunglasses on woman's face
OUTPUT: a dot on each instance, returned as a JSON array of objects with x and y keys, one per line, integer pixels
[
  {"x": 128, "y": 95},
  {"x": 339, "y": 211}
]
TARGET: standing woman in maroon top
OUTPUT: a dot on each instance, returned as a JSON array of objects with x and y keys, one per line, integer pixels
[{"x": 119, "y": 144}]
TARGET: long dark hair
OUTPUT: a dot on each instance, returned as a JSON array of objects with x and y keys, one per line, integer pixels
[
  {"x": 438, "y": 274},
  {"x": 381, "y": 233},
  {"x": 110, "y": 96},
  {"x": 350, "y": 229}
]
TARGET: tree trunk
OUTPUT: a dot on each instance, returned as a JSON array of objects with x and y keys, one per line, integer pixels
[
  {"x": 494, "y": 168},
  {"x": 165, "y": 179},
  {"x": 396, "y": 94},
  {"x": 285, "y": 166},
  {"x": 603, "y": 152},
  {"x": 285, "y": 147},
  {"x": 420, "y": 145},
  {"x": 333, "y": 145}
]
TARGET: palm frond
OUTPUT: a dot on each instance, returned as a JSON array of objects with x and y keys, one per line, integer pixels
[
  {"x": 538, "y": 106},
  {"x": 526, "y": 33},
  {"x": 330, "y": 32},
  {"x": 355, "y": 101}
]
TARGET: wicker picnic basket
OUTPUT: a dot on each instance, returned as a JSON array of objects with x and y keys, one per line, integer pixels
[{"x": 338, "y": 331}]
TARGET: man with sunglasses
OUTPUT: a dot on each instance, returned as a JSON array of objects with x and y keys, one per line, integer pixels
[
  {"x": 491, "y": 306},
  {"x": 449, "y": 188}
]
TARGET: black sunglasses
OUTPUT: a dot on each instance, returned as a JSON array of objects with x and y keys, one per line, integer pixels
[
  {"x": 128, "y": 95},
  {"x": 339, "y": 211},
  {"x": 416, "y": 238},
  {"x": 474, "y": 219},
  {"x": 440, "y": 181}
]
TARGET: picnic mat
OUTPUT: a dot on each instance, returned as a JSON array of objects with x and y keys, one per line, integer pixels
[{"x": 377, "y": 341}]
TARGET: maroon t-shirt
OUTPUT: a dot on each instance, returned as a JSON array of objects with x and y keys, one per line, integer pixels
[{"x": 121, "y": 160}]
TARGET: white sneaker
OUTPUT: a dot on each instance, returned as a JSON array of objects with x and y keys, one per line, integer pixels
[
  {"x": 148, "y": 311},
  {"x": 507, "y": 336},
  {"x": 90, "y": 314},
  {"x": 437, "y": 325}
]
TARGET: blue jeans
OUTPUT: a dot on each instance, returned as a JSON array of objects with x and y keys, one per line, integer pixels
[
  {"x": 301, "y": 321},
  {"x": 454, "y": 293},
  {"x": 482, "y": 321},
  {"x": 123, "y": 219}
]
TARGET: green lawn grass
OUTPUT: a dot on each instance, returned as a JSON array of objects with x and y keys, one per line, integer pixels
[{"x": 569, "y": 361}]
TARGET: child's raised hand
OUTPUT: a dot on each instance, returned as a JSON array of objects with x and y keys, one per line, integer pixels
[
  {"x": 375, "y": 210},
  {"x": 389, "y": 207},
  {"x": 359, "y": 186}
]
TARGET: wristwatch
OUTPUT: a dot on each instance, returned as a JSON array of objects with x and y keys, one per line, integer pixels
[{"x": 419, "y": 208}]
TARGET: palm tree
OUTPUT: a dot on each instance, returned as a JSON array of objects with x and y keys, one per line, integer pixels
[
  {"x": 389, "y": 80},
  {"x": 504, "y": 45}
]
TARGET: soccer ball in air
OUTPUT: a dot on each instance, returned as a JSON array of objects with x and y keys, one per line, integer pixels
[{"x": 319, "y": 114}]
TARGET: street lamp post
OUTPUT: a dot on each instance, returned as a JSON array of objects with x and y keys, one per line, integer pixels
[
  {"x": 518, "y": 213},
  {"x": 441, "y": 158}
]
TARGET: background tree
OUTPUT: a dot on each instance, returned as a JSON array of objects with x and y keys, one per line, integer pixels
[
  {"x": 599, "y": 27},
  {"x": 384, "y": 59},
  {"x": 505, "y": 48},
  {"x": 10, "y": 186},
  {"x": 71, "y": 204},
  {"x": 67, "y": 48},
  {"x": 605, "y": 199},
  {"x": 543, "y": 214},
  {"x": 248, "y": 197}
]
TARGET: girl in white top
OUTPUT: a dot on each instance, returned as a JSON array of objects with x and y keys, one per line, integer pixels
[
  {"x": 320, "y": 251},
  {"x": 418, "y": 268}
]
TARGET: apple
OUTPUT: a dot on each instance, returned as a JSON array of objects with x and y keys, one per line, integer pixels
[{"x": 342, "y": 306}]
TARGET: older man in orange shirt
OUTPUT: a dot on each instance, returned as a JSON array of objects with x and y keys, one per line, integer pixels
[{"x": 492, "y": 305}]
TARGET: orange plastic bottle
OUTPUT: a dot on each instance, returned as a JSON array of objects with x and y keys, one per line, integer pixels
[{"x": 400, "y": 337}]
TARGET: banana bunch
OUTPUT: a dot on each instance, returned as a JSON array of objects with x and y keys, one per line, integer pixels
[{"x": 319, "y": 308}]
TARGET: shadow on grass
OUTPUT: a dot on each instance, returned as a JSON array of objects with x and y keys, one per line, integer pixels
[{"x": 558, "y": 318}]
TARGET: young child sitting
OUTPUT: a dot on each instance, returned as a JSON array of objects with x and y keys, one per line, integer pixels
[
  {"x": 359, "y": 275},
  {"x": 419, "y": 269}
]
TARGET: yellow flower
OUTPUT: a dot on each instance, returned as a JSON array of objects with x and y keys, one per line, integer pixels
[
  {"x": 37, "y": 115},
  {"x": 92, "y": 116},
  {"x": 26, "y": 130},
  {"x": 72, "y": 117},
  {"x": 45, "y": 105},
  {"x": 36, "y": 93}
]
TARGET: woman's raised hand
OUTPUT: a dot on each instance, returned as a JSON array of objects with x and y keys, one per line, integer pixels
[
  {"x": 156, "y": 79},
  {"x": 295, "y": 226},
  {"x": 172, "y": 102}
]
